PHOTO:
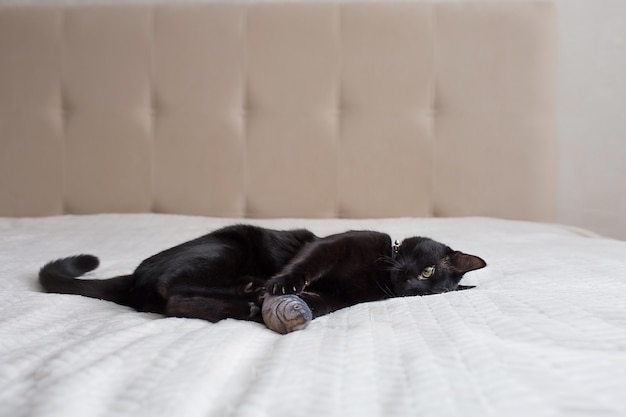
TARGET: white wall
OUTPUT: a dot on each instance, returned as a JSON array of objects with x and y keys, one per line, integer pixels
[
  {"x": 592, "y": 111},
  {"x": 592, "y": 115}
]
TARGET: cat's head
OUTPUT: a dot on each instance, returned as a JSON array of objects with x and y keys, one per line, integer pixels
[{"x": 423, "y": 266}]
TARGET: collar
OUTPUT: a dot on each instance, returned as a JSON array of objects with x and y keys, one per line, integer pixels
[{"x": 394, "y": 249}]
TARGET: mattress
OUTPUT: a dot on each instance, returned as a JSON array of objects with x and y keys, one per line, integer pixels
[{"x": 542, "y": 334}]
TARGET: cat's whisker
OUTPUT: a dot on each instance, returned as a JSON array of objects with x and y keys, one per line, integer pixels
[
  {"x": 392, "y": 264},
  {"x": 385, "y": 289},
  {"x": 385, "y": 258}
]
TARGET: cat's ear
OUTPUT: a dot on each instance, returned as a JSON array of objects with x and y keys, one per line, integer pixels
[{"x": 461, "y": 263}]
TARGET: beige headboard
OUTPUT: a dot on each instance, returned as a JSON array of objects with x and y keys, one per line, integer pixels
[{"x": 279, "y": 110}]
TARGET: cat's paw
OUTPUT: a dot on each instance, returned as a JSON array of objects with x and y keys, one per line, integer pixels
[
  {"x": 255, "y": 312},
  {"x": 286, "y": 284},
  {"x": 285, "y": 313}
]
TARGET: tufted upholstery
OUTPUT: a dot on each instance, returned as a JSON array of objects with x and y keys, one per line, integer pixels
[{"x": 279, "y": 110}]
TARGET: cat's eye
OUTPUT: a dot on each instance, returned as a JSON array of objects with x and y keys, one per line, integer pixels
[{"x": 427, "y": 272}]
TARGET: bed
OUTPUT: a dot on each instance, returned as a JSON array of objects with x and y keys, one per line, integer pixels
[{"x": 128, "y": 128}]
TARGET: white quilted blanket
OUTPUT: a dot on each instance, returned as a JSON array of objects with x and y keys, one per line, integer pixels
[{"x": 543, "y": 334}]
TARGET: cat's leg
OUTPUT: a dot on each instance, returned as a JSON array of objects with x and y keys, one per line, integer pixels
[
  {"x": 340, "y": 253},
  {"x": 212, "y": 309},
  {"x": 310, "y": 264}
]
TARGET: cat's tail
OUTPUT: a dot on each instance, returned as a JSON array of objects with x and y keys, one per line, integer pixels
[{"x": 60, "y": 277}]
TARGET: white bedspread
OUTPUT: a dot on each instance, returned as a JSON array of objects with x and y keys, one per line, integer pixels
[{"x": 543, "y": 334}]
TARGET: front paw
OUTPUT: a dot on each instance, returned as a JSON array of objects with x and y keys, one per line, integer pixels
[
  {"x": 286, "y": 284},
  {"x": 255, "y": 312}
]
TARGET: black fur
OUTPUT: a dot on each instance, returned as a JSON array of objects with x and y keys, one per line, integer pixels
[{"x": 226, "y": 273}]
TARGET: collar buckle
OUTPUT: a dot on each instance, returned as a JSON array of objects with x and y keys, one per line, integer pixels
[{"x": 394, "y": 249}]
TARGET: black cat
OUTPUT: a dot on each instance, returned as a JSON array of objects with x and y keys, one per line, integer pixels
[{"x": 229, "y": 272}]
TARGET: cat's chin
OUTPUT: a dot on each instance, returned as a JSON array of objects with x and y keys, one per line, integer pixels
[{"x": 404, "y": 292}]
